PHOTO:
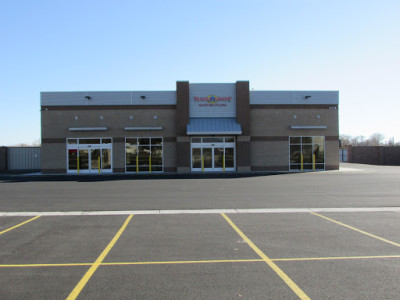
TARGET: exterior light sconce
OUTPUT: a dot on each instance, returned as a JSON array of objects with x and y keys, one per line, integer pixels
[
  {"x": 143, "y": 97},
  {"x": 88, "y": 97},
  {"x": 307, "y": 97}
]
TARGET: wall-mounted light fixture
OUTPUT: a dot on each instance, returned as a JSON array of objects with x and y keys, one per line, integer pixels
[
  {"x": 88, "y": 97},
  {"x": 307, "y": 97},
  {"x": 143, "y": 97}
]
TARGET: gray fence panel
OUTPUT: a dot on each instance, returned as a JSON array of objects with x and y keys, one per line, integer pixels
[
  {"x": 343, "y": 155},
  {"x": 23, "y": 158}
]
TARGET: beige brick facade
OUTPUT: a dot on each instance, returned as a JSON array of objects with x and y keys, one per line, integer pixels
[{"x": 263, "y": 146}]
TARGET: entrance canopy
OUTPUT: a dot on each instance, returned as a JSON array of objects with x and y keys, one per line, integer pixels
[{"x": 210, "y": 126}]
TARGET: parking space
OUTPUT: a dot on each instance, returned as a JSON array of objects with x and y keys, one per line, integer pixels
[
  {"x": 347, "y": 279},
  {"x": 39, "y": 282},
  {"x": 305, "y": 235},
  {"x": 382, "y": 224},
  {"x": 8, "y": 224},
  {"x": 152, "y": 238},
  {"x": 59, "y": 240},
  {"x": 194, "y": 256},
  {"x": 187, "y": 281}
]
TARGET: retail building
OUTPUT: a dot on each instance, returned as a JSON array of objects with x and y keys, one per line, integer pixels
[{"x": 199, "y": 127}]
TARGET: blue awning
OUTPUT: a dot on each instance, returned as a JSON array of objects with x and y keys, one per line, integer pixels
[{"x": 208, "y": 126}]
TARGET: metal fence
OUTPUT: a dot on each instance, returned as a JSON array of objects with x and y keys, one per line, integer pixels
[{"x": 23, "y": 158}]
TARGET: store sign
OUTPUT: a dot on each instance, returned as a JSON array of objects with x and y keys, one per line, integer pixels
[
  {"x": 212, "y": 101},
  {"x": 207, "y": 100}
]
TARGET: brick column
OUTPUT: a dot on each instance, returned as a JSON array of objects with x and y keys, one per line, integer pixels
[
  {"x": 182, "y": 120},
  {"x": 243, "y": 151}
]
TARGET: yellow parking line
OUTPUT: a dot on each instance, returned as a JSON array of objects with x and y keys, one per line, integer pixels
[
  {"x": 132, "y": 263},
  {"x": 181, "y": 262},
  {"x": 269, "y": 262},
  {"x": 335, "y": 258},
  {"x": 358, "y": 230},
  {"x": 45, "y": 265},
  {"x": 76, "y": 291},
  {"x": 197, "y": 261},
  {"x": 18, "y": 225}
]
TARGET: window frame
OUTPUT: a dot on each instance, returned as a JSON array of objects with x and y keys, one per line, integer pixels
[
  {"x": 150, "y": 145},
  {"x": 296, "y": 167},
  {"x": 101, "y": 146}
]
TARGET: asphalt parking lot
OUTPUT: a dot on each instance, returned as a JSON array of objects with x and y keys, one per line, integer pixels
[{"x": 178, "y": 250}]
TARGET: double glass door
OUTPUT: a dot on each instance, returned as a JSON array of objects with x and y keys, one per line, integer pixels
[
  {"x": 89, "y": 158},
  {"x": 213, "y": 154}
]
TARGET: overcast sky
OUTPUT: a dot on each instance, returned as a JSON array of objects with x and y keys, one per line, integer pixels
[{"x": 350, "y": 46}]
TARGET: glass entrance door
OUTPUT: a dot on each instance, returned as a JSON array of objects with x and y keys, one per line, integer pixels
[
  {"x": 85, "y": 158},
  {"x": 213, "y": 154},
  {"x": 93, "y": 160},
  {"x": 218, "y": 158},
  {"x": 208, "y": 158},
  {"x": 95, "y": 163}
]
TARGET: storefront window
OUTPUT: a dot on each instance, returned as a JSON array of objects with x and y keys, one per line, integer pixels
[
  {"x": 156, "y": 155},
  {"x": 156, "y": 141},
  {"x": 307, "y": 147},
  {"x": 106, "y": 158},
  {"x": 295, "y": 140},
  {"x": 144, "y": 154},
  {"x": 144, "y": 141},
  {"x": 144, "y": 158},
  {"x": 131, "y": 141},
  {"x": 131, "y": 154}
]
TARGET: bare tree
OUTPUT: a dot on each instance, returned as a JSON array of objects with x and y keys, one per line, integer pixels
[
  {"x": 390, "y": 141},
  {"x": 376, "y": 139},
  {"x": 345, "y": 140},
  {"x": 358, "y": 140},
  {"x": 37, "y": 142}
]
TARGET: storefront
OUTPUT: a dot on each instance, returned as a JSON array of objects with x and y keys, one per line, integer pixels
[
  {"x": 213, "y": 154},
  {"x": 89, "y": 155},
  {"x": 144, "y": 155},
  {"x": 196, "y": 128}
]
